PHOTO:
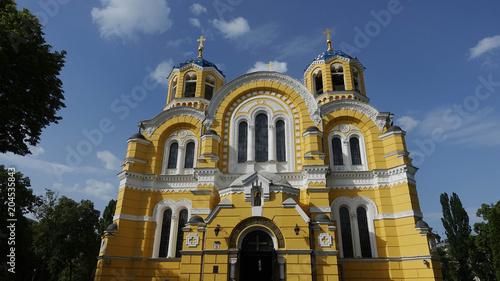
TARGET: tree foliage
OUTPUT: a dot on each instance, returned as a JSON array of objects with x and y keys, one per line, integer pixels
[
  {"x": 488, "y": 242},
  {"x": 30, "y": 90},
  {"x": 107, "y": 216},
  {"x": 456, "y": 224},
  {"x": 66, "y": 238},
  {"x": 22, "y": 200}
]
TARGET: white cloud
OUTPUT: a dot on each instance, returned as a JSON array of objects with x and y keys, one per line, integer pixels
[
  {"x": 484, "y": 46},
  {"x": 194, "y": 22},
  {"x": 456, "y": 125},
  {"x": 262, "y": 66},
  {"x": 197, "y": 9},
  {"x": 126, "y": 18},
  {"x": 162, "y": 71},
  {"x": 49, "y": 168},
  {"x": 110, "y": 160},
  {"x": 407, "y": 123},
  {"x": 95, "y": 188},
  {"x": 36, "y": 150},
  {"x": 232, "y": 29}
]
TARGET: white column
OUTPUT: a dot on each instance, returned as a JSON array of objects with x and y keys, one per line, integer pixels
[
  {"x": 251, "y": 143},
  {"x": 355, "y": 235},
  {"x": 181, "y": 154},
  {"x": 271, "y": 131},
  {"x": 173, "y": 235},
  {"x": 232, "y": 274},
  {"x": 281, "y": 263}
]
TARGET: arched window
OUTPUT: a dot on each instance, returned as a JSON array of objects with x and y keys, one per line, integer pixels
[
  {"x": 355, "y": 79},
  {"x": 261, "y": 138},
  {"x": 318, "y": 82},
  {"x": 338, "y": 77},
  {"x": 364, "y": 233},
  {"x": 183, "y": 216},
  {"x": 189, "y": 160},
  {"x": 190, "y": 84},
  {"x": 174, "y": 88},
  {"x": 355, "y": 151},
  {"x": 242, "y": 141},
  {"x": 209, "y": 87},
  {"x": 338, "y": 156},
  {"x": 165, "y": 233},
  {"x": 345, "y": 228},
  {"x": 172, "y": 156},
  {"x": 280, "y": 141}
]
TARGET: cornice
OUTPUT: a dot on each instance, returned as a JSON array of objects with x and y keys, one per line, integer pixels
[
  {"x": 263, "y": 76},
  {"x": 151, "y": 125},
  {"x": 381, "y": 119},
  {"x": 372, "y": 179}
]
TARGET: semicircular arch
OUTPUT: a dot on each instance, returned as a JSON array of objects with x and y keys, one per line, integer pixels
[{"x": 246, "y": 226}]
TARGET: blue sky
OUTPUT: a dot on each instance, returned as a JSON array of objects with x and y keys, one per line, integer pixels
[{"x": 434, "y": 64}]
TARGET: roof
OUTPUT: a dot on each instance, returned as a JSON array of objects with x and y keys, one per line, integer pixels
[
  {"x": 201, "y": 62},
  {"x": 327, "y": 54}
]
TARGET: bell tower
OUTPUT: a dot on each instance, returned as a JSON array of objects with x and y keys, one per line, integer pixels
[
  {"x": 334, "y": 75},
  {"x": 194, "y": 82}
]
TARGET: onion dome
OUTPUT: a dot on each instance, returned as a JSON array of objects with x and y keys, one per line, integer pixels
[
  {"x": 312, "y": 129},
  {"x": 137, "y": 136},
  {"x": 394, "y": 128},
  {"x": 201, "y": 62}
]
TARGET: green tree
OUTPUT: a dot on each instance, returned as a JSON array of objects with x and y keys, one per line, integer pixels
[
  {"x": 107, "y": 216},
  {"x": 456, "y": 224},
  {"x": 17, "y": 200},
  {"x": 487, "y": 259},
  {"x": 66, "y": 238},
  {"x": 30, "y": 91}
]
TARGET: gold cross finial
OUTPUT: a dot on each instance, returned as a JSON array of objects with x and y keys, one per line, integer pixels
[
  {"x": 328, "y": 38},
  {"x": 200, "y": 47},
  {"x": 270, "y": 64}
]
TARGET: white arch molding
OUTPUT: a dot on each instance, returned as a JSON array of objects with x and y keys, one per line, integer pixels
[
  {"x": 159, "y": 209},
  {"x": 277, "y": 77},
  {"x": 371, "y": 213}
]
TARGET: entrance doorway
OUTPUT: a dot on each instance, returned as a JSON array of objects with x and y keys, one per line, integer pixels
[{"x": 257, "y": 257}]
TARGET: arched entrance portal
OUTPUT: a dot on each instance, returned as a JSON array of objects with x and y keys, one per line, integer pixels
[{"x": 257, "y": 257}]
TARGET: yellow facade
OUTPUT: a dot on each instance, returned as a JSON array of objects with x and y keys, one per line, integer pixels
[{"x": 267, "y": 178}]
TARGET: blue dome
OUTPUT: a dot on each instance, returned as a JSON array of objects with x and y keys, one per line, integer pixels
[
  {"x": 200, "y": 62},
  {"x": 328, "y": 54}
]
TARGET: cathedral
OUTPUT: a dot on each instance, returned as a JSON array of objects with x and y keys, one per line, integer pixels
[{"x": 264, "y": 178}]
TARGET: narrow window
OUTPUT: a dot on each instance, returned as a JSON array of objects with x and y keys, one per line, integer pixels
[
  {"x": 242, "y": 141},
  {"x": 345, "y": 228},
  {"x": 172, "y": 156},
  {"x": 261, "y": 138},
  {"x": 355, "y": 79},
  {"x": 280, "y": 141},
  {"x": 189, "y": 160},
  {"x": 209, "y": 87},
  {"x": 338, "y": 157},
  {"x": 338, "y": 77},
  {"x": 165, "y": 233},
  {"x": 180, "y": 234},
  {"x": 364, "y": 233},
  {"x": 355, "y": 151},
  {"x": 190, "y": 82},
  {"x": 318, "y": 82},
  {"x": 174, "y": 88}
]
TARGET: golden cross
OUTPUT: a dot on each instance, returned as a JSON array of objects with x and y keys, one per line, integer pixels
[
  {"x": 270, "y": 64},
  {"x": 200, "y": 47},
  {"x": 328, "y": 39}
]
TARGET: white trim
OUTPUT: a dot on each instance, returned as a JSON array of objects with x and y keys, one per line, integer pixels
[
  {"x": 276, "y": 77},
  {"x": 159, "y": 209},
  {"x": 352, "y": 204},
  {"x": 258, "y": 102},
  {"x": 253, "y": 228},
  {"x": 381, "y": 119},
  {"x": 132, "y": 217},
  {"x": 151, "y": 125},
  {"x": 345, "y": 139}
]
